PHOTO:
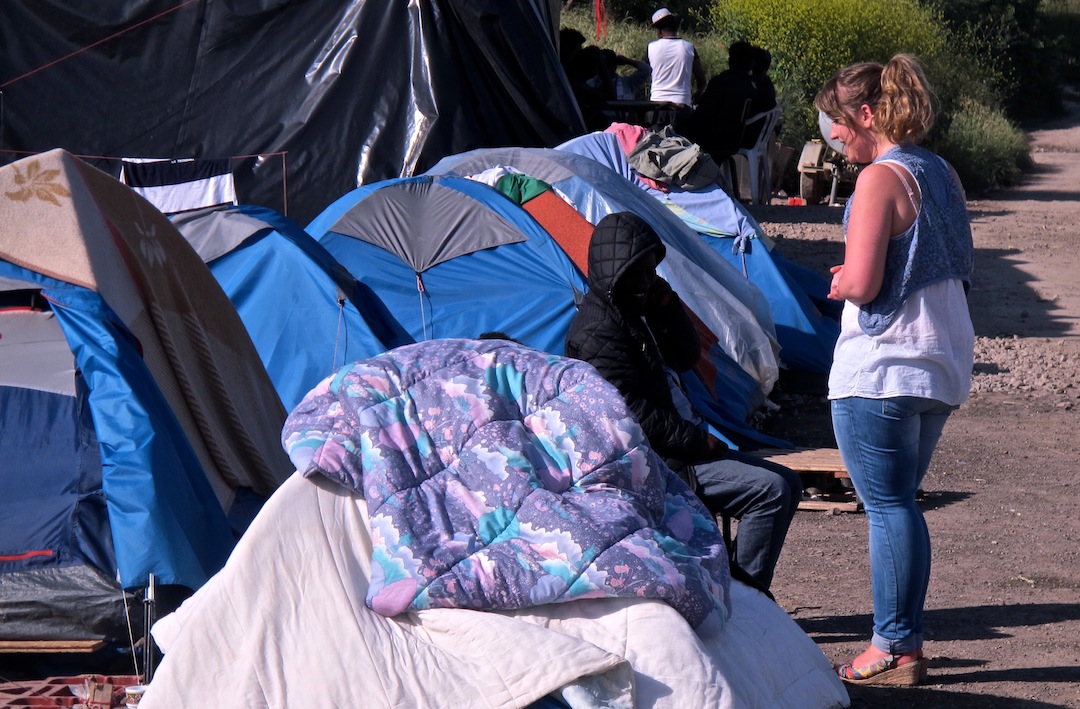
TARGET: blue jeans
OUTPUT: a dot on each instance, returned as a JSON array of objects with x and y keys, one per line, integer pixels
[
  {"x": 763, "y": 496},
  {"x": 887, "y": 445}
]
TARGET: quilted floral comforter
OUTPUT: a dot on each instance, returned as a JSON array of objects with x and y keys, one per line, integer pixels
[{"x": 500, "y": 477}]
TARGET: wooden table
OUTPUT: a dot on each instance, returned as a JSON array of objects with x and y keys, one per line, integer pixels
[{"x": 641, "y": 113}]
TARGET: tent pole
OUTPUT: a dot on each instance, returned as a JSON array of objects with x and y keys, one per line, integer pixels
[{"x": 149, "y": 609}]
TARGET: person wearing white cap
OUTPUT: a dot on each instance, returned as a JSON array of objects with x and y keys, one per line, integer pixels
[{"x": 678, "y": 75}]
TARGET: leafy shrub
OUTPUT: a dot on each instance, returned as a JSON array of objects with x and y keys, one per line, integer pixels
[
  {"x": 810, "y": 40},
  {"x": 1064, "y": 17},
  {"x": 1016, "y": 47},
  {"x": 985, "y": 148}
]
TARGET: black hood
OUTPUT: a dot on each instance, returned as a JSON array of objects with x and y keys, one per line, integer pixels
[{"x": 617, "y": 242}]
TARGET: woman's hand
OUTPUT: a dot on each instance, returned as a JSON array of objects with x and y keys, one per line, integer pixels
[{"x": 834, "y": 289}]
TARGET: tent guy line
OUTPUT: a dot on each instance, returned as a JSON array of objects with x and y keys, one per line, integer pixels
[{"x": 90, "y": 46}]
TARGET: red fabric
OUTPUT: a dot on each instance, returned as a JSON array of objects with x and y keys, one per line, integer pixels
[
  {"x": 629, "y": 136},
  {"x": 600, "y": 7},
  {"x": 570, "y": 230}
]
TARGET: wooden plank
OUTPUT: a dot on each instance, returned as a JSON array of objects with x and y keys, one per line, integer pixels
[
  {"x": 50, "y": 646},
  {"x": 806, "y": 460},
  {"x": 827, "y": 506}
]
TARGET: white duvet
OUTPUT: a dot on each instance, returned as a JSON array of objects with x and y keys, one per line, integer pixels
[{"x": 284, "y": 625}]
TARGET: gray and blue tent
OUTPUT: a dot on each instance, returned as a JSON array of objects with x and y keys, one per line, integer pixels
[
  {"x": 305, "y": 313},
  {"x": 135, "y": 416},
  {"x": 740, "y": 367},
  {"x": 451, "y": 257}
]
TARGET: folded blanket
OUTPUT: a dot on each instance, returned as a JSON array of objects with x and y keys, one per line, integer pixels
[{"x": 500, "y": 477}]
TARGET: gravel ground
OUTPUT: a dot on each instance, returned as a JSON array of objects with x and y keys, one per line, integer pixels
[{"x": 1003, "y": 608}]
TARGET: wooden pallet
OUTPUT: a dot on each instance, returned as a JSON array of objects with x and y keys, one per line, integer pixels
[
  {"x": 50, "y": 646},
  {"x": 821, "y": 462},
  {"x": 807, "y": 460}
]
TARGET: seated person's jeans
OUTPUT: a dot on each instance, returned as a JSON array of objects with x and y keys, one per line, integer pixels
[{"x": 763, "y": 496}]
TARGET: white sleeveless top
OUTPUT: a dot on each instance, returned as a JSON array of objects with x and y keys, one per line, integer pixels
[
  {"x": 927, "y": 351},
  {"x": 672, "y": 62}
]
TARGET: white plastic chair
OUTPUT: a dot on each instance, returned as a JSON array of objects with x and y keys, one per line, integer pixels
[{"x": 757, "y": 157}]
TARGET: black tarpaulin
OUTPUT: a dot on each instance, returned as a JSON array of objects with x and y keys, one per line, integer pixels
[{"x": 330, "y": 94}]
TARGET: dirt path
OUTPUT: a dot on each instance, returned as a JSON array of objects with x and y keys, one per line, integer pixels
[{"x": 1003, "y": 611}]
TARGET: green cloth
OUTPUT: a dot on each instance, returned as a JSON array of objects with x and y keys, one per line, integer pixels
[{"x": 521, "y": 188}]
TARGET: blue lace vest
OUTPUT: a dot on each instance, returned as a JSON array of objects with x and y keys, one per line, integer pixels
[{"x": 936, "y": 247}]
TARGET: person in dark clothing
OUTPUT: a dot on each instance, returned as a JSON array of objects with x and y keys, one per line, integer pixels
[
  {"x": 632, "y": 327},
  {"x": 764, "y": 95},
  {"x": 717, "y": 125},
  {"x": 590, "y": 77},
  {"x": 763, "y": 83}
]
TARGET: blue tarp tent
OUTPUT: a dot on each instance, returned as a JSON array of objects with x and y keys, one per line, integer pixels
[{"x": 806, "y": 334}]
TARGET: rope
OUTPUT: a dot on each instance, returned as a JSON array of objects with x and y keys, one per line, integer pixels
[
  {"x": 337, "y": 336},
  {"x": 131, "y": 633},
  {"x": 423, "y": 318},
  {"x": 742, "y": 245}
]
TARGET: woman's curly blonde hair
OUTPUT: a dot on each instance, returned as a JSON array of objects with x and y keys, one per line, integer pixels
[{"x": 898, "y": 94}]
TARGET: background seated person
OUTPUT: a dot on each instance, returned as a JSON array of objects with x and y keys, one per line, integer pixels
[
  {"x": 632, "y": 327},
  {"x": 764, "y": 95},
  {"x": 717, "y": 125},
  {"x": 591, "y": 80},
  {"x": 627, "y": 86}
]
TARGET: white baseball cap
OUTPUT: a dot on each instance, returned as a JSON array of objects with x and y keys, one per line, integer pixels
[{"x": 661, "y": 14}]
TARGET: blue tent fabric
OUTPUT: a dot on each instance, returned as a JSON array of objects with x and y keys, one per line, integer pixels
[
  {"x": 168, "y": 391},
  {"x": 63, "y": 521},
  {"x": 806, "y": 335},
  {"x": 524, "y": 285},
  {"x": 805, "y": 329},
  {"x": 305, "y": 313},
  {"x": 164, "y": 518},
  {"x": 810, "y": 282}
]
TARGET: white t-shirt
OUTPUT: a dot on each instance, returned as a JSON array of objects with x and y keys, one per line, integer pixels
[{"x": 672, "y": 62}]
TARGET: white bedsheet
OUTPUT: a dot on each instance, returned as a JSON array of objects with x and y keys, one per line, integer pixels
[{"x": 284, "y": 625}]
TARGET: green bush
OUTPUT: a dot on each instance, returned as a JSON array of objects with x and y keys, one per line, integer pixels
[
  {"x": 810, "y": 40},
  {"x": 986, "y": 149},
  {"x": 1064, "y": 17},
  {"x": 1018, "y": 48}
]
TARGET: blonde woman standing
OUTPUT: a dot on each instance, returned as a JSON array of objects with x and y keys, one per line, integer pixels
[{"x": 904, "y": 357}]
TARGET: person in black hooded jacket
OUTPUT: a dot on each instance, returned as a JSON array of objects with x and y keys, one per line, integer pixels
[{"x": 632, "y": 327}]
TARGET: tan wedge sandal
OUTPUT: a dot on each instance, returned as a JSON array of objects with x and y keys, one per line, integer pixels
[{"x": 886, "y": 672}]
